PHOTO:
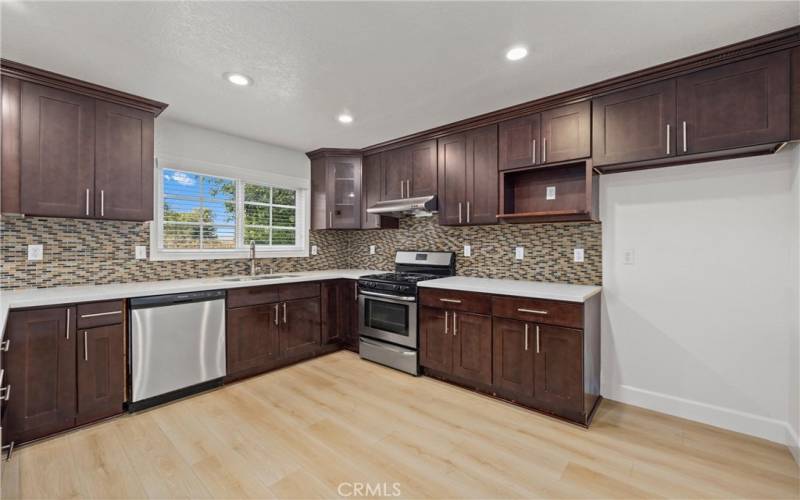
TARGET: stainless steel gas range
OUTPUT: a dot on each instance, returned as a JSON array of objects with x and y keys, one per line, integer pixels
[{"x": 387, "y": 308}]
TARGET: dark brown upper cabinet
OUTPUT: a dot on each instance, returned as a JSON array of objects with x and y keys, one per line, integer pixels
[
  {"x": 371, "y": 182},
  {"x": 409, "y": 171},
  {"x": 566, "y": 133},
  {"x": 468, "y": 176},
  {"x": 520, "y": 140},
  {"x": 75, "y": 149},
  {"x": 123, "y": 181},
  {"x": 636, "y": 124},
  {"x": 57, "y": 152},
  {"x": 336, "y": 191},
  {"x": 735, "y": 105}
]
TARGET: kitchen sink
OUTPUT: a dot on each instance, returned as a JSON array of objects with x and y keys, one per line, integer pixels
[{"x": 258, "y": 277}]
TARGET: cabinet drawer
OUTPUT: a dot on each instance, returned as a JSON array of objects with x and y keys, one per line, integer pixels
[
  {"x": 457, "y": 301},
  {"x": 100, "y": 313},
  {"x": 241, "y": 297},
  {"x": 552, "y": 312},
  {"x": 298, "y": 291}
]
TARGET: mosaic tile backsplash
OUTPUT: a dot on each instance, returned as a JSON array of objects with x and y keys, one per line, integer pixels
[{"x": 83, "y": 252}]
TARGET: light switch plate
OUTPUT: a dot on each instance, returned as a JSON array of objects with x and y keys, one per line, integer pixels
[
  {"x": 372, "y": 249},
  {"x": 314, "y": 250},
  {"x": 578, "y": 255},
  {"x": 35, "y": 252},
  {"x": 467, "y": 251},
  {"x": 141, "y": 252},
  {"x": 628, "y": 257},
  {"x": 519, "y": 253},
  {"x": 551, "y": 193}
]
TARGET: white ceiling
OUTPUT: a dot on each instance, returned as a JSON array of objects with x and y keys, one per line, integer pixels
[{"x": 398, "y": 67}]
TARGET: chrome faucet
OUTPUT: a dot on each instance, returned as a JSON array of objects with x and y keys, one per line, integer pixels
[{"x": 252, "y": 257}]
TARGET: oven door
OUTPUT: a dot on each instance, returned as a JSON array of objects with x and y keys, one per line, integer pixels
[{"x": 389, "y": 318}]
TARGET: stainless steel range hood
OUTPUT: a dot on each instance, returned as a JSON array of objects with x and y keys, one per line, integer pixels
[{"x": 423, "y": 206}]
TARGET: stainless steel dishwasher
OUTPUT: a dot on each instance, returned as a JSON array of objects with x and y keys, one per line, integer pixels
[{"x": 177, "y": 346}]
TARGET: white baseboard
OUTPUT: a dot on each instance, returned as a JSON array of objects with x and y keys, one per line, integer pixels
[
  {"x": 718, "y": 416},
  {"x": 794, "y": 446}
]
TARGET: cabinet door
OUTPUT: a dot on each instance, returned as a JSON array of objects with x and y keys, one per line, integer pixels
[
  {"x": 40, "y": 368},
  {"x": 435, "y": 336},
  {"x": 344, "y": 192},
  {"x": 123, "y": 163},
  {"x": 250, "y": 337},
  {"x": 394, "y": 166},
  {"x": 371, "y": 190},
  {"x": 452, "y": 179},
  {"x": 513, "y": 358},
  {"x": 635, "y": 125},
  {"x": 300, "y": 332},
  {"x": 482, "y": 182},
  {"x": 735, "y": 105},
  {"x": 347, "y": 299},
  {"x": 335, "y": 311},
  {"x": 472, "y": 347},
  {"x": 520, "y": 142},
  {"x": 558, "y": 373},
  {"x": 421, "y": 180},
  {"x": 566, "y": 133},
  {"x": 101, "y": 369},
  {"x": 57, "y": 152}
]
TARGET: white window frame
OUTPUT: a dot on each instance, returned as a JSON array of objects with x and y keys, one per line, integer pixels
[{"x": 240, "y": 176}]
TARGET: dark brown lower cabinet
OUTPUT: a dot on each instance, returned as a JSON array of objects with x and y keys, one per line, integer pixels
[
  {"x": 436, "y": 344},
  {"x": 300, "y": 332},
  {"x": 101, "y": 372},
  {"x": 513, "y": 361},
  {"x": 251, "y": 337},
  {"x": 338, "y": 301},
  {"x": 457, "y": 343},
  {"x": 558, "y": 373}
]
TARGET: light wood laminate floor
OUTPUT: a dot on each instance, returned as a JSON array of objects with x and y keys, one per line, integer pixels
[{"x": 302, "y": 431}]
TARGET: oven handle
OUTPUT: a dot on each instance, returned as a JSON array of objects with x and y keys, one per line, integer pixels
[{"x": 387, "y": 296}]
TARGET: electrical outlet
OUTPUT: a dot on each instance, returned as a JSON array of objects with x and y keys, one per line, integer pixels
[
  {"x": 141, "y": 252},
  {"x": 467, "y": 251},
  {"x": 372, "y": 249},
  {"x": 551, "y": 193},
  {"x": 578, "y": 255},
  {"x": 519, "y": 253},
  {"x": 35, "y": 252},
  {"x": 628, "y": 257},
  {"x": 314, "y": 250}
]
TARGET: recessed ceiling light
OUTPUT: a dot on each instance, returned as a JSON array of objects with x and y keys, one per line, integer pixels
[
  {"x": 345, "y": 118},
  {"x": 516, "y": 53},
  {"x": 238, "y": 79}
]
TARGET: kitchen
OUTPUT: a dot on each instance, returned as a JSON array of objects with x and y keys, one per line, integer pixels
[{"x": 220, "y": 278}]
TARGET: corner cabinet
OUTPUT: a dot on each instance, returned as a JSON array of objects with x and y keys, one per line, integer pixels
[
  {"x": 336, "y": 190},
  {"x": 542, "y": 354},
  {"x": 409, "y": 171},
  {"x": 74, "y": 149}
]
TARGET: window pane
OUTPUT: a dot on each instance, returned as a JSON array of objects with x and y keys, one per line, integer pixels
[
  {"x": 217, "y": 188},
  {"x": 181, "y": 236},
  {"x": 254, "y": 192},
  {"x": 256, "y": 215},
  {"x": 283, "y": 196},
  {"x": 219, "y": 212},
  {"x": 219, "y": 237},
  {"x": 283, "y": 236},
  {"x": 182, "y": 210},
  {"x": 181, "y": 183},
  {"x": 283, "y": 217},
  {"x": 259, "y": 235}
]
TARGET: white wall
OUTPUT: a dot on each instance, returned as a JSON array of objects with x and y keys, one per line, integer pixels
[
  {"x": 179, "y": 140},
  {"x": 703, "y": 325},
  {"x": 794, "y": 378}
]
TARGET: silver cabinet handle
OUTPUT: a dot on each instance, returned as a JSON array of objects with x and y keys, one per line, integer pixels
[
  {"x": 467, "y": 212},
  {"x": 4, "y": 345},
  {"x": 533, "y": 151},
  {"x": 87, "y": 201},
  {"x": 330, "y": 219},
  {"x": 408, "y": 188},
  {"x": 532, "y": 311},
  {"x": 284, "y": 313},
  {"x": 276, "y": 315},
  {"x": 684, "y": 136},
  {"x": 537, "y": 339},
  {"x": 544, "y": 150},
  {"x": 526, "y": 336},
  {"x": 85, "y": 346},
  {"x": 453, "y": 301},
  {"x": 355, "y": 291},
  {"x": 5, "y": 392},
  {"x": 459, "y": 212},
  {"x": 455, "y": 324},
  {"x": 68, "y": 323},
  {"x": 667, "y": 138},
  {"x": 402, "y": 184},
  {"x": 445, "y": 322},
  {"x": 102, "y": 203},
  {"x": 95, "y": 315}
]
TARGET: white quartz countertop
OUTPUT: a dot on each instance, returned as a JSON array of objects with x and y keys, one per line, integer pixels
[
  {"x": 517, "y": 288},
  {"x": 34, "y": 297}
]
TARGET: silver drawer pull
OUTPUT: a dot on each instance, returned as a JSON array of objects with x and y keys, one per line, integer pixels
[
  {"x": 85, "y": 345},
  {"x": 5, "y": 392},
  {"x": 532, "y": 311},
  {"x": 276, "y": 314},
  {"x": 454, "y": 301},
  {"x": 95, "y": 315},
  {"x": 4, "y": 345}
]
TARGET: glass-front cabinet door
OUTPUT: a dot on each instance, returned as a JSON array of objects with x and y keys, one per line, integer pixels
[{"x": 344, "y": 192}]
